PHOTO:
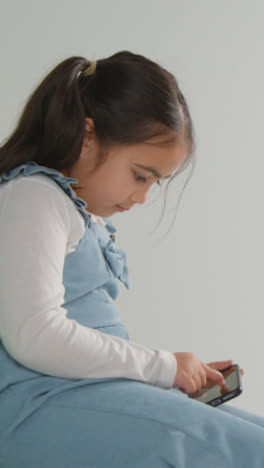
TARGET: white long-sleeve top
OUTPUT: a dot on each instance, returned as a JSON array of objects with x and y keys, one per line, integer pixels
[{"x": 39, "y": 226}]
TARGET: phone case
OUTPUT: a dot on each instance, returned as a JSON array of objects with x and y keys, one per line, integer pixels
[{"x": 220, "y": 399}]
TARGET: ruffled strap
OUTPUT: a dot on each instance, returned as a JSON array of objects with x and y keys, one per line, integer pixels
[
  {"x": 117, "y": 260},
  {"x": 109, "y": 225},
  {"x": 64, "y": 182}
]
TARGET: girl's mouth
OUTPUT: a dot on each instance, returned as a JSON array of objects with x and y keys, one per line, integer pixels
[{"x": 121, "y": 209}]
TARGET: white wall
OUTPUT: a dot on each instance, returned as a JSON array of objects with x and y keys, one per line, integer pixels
[{"x": 200, "y": 289}]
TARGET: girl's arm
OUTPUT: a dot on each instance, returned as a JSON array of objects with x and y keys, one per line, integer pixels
[{"x": 34, "y": 327}]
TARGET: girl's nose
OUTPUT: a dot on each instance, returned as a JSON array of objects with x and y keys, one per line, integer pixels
[{"x": 140, "y": 196}]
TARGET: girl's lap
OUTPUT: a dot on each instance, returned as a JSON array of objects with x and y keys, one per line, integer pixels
[
  {"x": 242, "y": 414},
  {"x": 138, "y": 399},
  {"x": 129, "y": 424}
]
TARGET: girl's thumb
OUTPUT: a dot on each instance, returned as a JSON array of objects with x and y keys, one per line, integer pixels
[{"x": 220, "y": 365}]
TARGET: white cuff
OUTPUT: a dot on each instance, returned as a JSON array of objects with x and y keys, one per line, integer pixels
[{"x": 167, "y": 369}]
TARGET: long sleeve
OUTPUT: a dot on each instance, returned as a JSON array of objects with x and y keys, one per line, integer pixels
[{"x": 34, "y": 327}]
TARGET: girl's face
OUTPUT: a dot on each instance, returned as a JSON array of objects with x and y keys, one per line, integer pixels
[{"x": 127, "y": 174}]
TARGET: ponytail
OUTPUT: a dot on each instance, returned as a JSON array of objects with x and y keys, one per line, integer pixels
[{"x": 51, "y": 127}]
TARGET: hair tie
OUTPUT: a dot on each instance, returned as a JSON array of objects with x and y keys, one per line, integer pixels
[{"x": 90, "y": 69}]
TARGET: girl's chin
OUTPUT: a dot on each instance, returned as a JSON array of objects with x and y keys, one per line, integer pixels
[{"x": 104, "y": 213}]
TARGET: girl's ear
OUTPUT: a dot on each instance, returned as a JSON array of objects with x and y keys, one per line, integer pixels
[
  {"x": 89, "y": 125},
  {"x": 89, "y": 139},
  {"x": 89, "y": 134}
]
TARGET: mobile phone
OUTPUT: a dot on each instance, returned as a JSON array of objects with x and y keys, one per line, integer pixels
[{"x": 214, "y": 394}]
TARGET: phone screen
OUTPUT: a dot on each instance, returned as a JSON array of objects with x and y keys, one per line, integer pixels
[{"x": 217, "y": 394}]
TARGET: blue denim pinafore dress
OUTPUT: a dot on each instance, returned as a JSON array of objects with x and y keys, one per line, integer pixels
[{"x": 51, "y": 422}]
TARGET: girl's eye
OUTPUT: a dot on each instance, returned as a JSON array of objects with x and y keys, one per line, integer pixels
[{"x": 140, "y": 178}]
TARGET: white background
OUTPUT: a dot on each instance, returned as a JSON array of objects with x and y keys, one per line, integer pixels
[{"x": 201, "y": 288}]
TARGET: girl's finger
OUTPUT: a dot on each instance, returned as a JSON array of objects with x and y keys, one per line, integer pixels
[
  {"x": 203, "y": 378},
  {"x": 198, "y": 382},
  {"x": 190, "y": 386},
  {"x": 220, "y": 365},
  {"x": 215, "y": 375}
]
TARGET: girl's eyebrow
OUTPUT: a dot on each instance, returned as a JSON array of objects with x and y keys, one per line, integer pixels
[{"x": 153, "y": 171}]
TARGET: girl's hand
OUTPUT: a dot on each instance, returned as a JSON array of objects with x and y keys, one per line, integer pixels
[{"x": 192, "y": 374}]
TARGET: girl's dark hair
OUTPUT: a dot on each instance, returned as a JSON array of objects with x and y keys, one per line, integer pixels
[{"x": 129, "y": 97}]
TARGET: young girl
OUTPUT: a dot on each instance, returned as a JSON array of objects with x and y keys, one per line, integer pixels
[{"x": 75, "y": 391}]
